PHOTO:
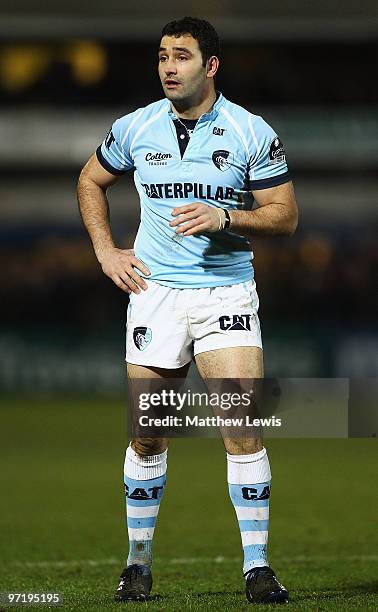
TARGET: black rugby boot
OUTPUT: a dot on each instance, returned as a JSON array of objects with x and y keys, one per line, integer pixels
[
  {"x": 262, "y": 586},
  {"x": 135, "y": 584}
]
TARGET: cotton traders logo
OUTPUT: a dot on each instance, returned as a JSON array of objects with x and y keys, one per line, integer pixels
[
  {"x": 276, "y": 151},
  {"x": 157, "y": 159},
  {"x": 142, "y": 337},
  {"x": 222, "y": 160}
]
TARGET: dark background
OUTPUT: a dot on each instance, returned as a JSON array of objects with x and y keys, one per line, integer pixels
[{"x": 67, "y": 71}]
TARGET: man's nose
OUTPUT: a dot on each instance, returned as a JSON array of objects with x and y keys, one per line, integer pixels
[{"x": 170, "y": 67}]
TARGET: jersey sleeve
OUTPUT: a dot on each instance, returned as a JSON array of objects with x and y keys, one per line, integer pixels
[
  {"x": 267, "y": 165},
  {"x": 114, "y": 153}
]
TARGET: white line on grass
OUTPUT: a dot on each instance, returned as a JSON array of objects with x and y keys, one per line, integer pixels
[{"x": 193, "y": 560}]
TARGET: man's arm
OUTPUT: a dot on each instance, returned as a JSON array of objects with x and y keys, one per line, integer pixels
[
  {"x": 277, "y": 215},
  {"x": 118, "y": 264}
]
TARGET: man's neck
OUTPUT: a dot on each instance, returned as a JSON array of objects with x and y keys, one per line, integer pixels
[{"x": 190, "y": 110}]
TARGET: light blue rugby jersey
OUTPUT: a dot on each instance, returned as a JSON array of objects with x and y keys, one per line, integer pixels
[{"x": 231, "y": 151}]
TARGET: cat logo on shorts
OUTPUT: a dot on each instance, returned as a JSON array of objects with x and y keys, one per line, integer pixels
[
  {"x": 142, "y": 337},
  {"x": 240, "y": 322}
]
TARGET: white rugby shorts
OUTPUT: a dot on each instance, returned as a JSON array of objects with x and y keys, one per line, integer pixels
[{"x": 166, "y": 327}]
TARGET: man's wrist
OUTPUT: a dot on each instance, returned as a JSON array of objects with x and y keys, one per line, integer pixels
[{"x": 101, "y": 251}]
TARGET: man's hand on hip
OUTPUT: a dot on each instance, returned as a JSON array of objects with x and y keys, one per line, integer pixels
[
  {"x": 197, "y": 218},
  {"x": 121, "y": 265}
]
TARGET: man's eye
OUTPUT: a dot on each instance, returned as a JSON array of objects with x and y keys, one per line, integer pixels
[
  {"x": 162, "y": 58},
  {"x": 183, "y": 57}
]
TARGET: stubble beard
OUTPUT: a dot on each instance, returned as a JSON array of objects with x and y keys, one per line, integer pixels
[
  {"x": 176, "y": 96},
  {"x": 182, "y": 99}
]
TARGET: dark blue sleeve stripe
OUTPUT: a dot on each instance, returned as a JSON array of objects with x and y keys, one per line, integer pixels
[
  {"x": 105, "y": 164},
  {"x": 272, "y": 181}
]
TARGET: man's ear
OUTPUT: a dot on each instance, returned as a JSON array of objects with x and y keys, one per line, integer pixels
[{"x": 212, "y": 66}]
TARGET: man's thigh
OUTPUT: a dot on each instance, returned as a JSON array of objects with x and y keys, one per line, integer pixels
[
  {"x": 149, "y": 377},
  {"x": 245, "y": 364},
  {"x": 233, "y": 362}
]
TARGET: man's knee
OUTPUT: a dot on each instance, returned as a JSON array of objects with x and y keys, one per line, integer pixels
[
  {"x": 243, "y": 446},
  {"x": 149, "y": 446}
]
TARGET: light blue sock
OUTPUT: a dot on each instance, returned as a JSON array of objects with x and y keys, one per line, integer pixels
[
  {"x": 249, "y": 487},
  {"x": 144, "y": 479}
]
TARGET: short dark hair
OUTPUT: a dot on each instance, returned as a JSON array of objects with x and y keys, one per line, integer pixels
[{"x": 200, "y": 29}]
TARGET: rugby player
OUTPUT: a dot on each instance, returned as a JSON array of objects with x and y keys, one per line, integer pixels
[{"x": 195, "y": 156}]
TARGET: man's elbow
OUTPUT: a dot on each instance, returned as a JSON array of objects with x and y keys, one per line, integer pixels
[
  {"x": 287, "y": 226},
  {"x": 83, "y": 179},
  {"x": 85, "y": 175},
  {"x": 292, "y": 225},
  {"x": 291, "y": 219},
  {"x": 86, "y": 181}
]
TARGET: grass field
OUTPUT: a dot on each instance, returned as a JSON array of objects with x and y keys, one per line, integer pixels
[{"x": 62, "y": 523}]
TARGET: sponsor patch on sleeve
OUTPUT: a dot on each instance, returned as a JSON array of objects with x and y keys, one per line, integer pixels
[
  {"x": 276, "y": 151},
  {"x": 109, "y": 139}
]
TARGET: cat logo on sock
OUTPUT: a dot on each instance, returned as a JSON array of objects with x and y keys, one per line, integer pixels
[
  {"x": 141, "y": 494},
  {"x": 251, "y": 493}
]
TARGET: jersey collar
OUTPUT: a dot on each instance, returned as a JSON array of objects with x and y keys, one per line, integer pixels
[{"x": 209, "y": 116}]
